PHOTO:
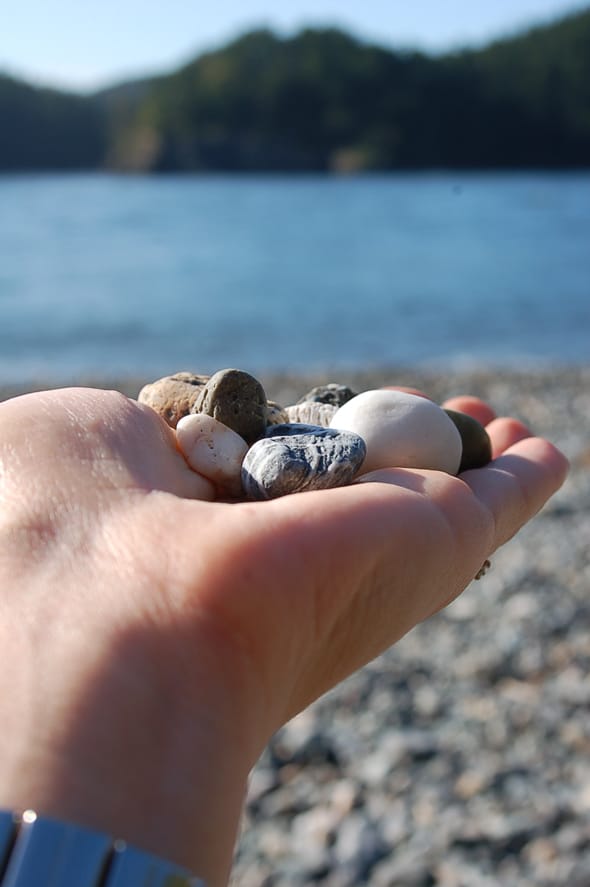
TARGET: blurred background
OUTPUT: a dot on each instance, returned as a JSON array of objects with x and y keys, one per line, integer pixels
[{"x": 320, "y": 186}]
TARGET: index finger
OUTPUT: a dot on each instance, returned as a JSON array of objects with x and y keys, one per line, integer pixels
[
  {"x": 473, "y": 406},
  {"x": 503, "y": 431}
]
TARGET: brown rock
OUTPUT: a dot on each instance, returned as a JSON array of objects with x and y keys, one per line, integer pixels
[
  {"x": 173, "y": 396},
  {"x": 238, "y": 400}
]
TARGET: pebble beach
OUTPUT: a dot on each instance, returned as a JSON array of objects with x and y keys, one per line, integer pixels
[{"x": 460, "y": 757}]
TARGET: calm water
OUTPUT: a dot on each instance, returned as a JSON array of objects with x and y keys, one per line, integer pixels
[{"x": 106, "y": 275}]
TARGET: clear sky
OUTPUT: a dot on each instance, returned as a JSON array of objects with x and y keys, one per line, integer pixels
[{"x": 85, "y": 44}]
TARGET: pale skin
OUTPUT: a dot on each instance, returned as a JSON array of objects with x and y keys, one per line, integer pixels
[{"x": 151, "y": 642}]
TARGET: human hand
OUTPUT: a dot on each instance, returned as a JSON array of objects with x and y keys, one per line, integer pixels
[{"x": 153, "y": 641}]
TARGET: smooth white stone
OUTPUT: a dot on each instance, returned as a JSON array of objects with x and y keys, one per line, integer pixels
[
  {"x": 401, "y": 431},
  {"x": 213, "y": 450}
]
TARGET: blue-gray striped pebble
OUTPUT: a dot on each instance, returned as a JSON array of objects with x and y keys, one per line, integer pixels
[
  {"x": 288, "y": 429},
  {"x": 294, "y": 458}
]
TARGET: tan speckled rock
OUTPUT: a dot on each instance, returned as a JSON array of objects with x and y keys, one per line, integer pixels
[
  {"x": 172, "y": 397},
  {"x": 213, "y": 450},
  {"x": 236, "y": 399}
]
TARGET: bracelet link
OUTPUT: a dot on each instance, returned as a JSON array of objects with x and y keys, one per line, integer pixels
[{"x": 37, "y": 851}]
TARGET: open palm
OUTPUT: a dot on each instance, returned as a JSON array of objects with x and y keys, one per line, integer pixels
[{"x": 205, "y": 625}]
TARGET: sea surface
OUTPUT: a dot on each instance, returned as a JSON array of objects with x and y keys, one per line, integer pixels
[{"x": 107, "y": 276}]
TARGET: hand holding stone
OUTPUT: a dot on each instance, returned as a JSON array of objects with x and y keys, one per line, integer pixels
[{"x": 152, "y": 641}]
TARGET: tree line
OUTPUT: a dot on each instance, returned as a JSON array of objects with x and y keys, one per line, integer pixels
[{"x": 322, "y": 101}]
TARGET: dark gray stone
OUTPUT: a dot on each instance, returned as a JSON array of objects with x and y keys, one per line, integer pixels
[
  {"x": 337, "y": 395},
  {"x": 294, "y": 458},
  {"x": 477, "y": 447},
  {"x": 238, "y": 400}
]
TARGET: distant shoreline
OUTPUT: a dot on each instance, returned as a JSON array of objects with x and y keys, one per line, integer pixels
[
  {"x": 332, "y": 175},
  {"x": 320, "y": 99}
]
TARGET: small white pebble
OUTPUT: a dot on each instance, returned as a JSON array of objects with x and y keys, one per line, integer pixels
[
  {"x": 213, "y": 450},
  {"x": 401, "y": 431}
]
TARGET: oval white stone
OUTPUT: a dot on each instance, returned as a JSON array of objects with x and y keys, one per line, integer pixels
[
  {"x": 213, "y": 450},
  {"x": 401, "y": 431}
]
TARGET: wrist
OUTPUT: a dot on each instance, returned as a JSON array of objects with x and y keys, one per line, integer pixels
[{"x": 164, "y": 770}]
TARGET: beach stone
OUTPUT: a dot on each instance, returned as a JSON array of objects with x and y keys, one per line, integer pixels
[
  {"x": 213, "y": 450},
  {"x": 294, "y": 458},
  {"x": 311, "y": 412},
  {"x": 477, "y": 446},
  {"x": 275, "y": 414},
  {"x": 291, "y": 428},
  {"x": 401, "y": 430},
  {"x": 332, "y": 393},
  {"x": 236, "y": 399},
  {"x": 173, "y": 397}
]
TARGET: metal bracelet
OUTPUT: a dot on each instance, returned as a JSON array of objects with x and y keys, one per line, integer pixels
[{"x": 37, "y": 851}]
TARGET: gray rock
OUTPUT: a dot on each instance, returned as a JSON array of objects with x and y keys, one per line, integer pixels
[
  {"x": 332, "y": 393},
  {"x": 311, "y": 412},
  {"x": 238, "y": 400},
  {"x": 410, "y": 871},
  {"x": 294, "y": 458},
  {"x": 580, "y": 874},
  {"x": 275, "y": 414},
  {"x": 360, "y": 845}
]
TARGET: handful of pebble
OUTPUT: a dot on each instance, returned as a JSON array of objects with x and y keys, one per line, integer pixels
[{"x": 252, "y": 448}]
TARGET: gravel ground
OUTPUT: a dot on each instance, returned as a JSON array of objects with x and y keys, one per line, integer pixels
[{"x": 461, "y": 757}]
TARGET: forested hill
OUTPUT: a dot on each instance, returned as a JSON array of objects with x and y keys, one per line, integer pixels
[
  {"x": 322, "y": 100},
  {"x": 48, "y": 129}
]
